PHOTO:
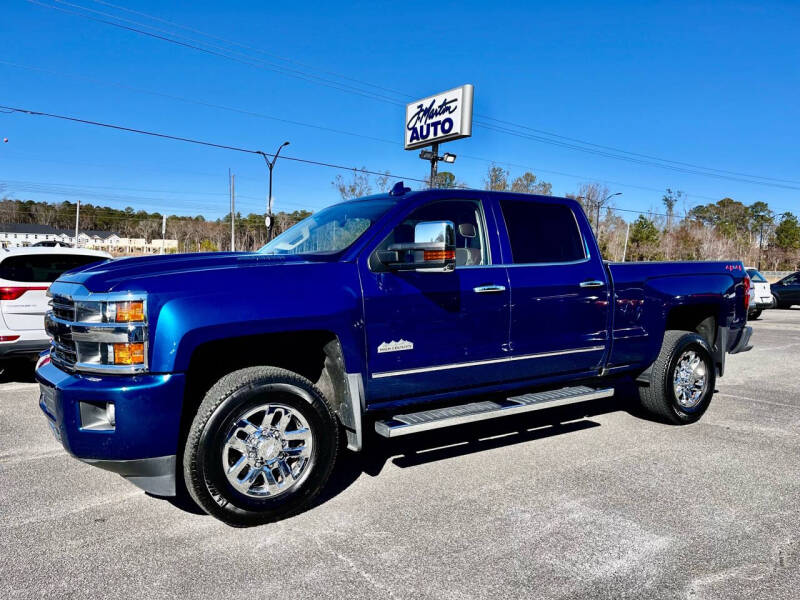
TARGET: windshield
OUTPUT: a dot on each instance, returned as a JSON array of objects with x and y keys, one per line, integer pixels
[
  {"x": 331, "y": 230},
  {"x": 756, "y": 276}
]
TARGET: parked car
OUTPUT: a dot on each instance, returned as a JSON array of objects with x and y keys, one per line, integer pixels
[
  {"x": 25, "y": 275},
  {"x": 51, "y": 244},
  {"x": 787, "y": 290},
  {"x": 392, "y": 312},
  {"x": 760, "y": 294}
]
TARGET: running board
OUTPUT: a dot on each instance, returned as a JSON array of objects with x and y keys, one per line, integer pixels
[{"x": 487, "y": 409}]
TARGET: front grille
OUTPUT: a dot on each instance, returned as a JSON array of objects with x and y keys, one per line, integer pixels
[
  {"x": 63, "y": 308},
  {"x": 63, "y": 352}
]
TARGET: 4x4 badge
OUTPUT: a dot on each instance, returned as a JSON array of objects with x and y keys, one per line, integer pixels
[{"x": 395, "y": 346}]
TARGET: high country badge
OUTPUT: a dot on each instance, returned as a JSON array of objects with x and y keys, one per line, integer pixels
[{"x": 395, "y": 346}]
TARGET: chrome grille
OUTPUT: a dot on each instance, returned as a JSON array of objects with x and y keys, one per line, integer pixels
[
  {"x": 63, "y": 308},
  {"x": 63, "y": 352}
]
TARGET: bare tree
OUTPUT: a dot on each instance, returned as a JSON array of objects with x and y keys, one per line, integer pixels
[
  {"x": 496, "y": 179},
  {"x": 359, "y": 185}
]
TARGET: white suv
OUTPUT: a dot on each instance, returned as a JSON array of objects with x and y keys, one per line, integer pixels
[
  {"x": 25, "y": 275},
  {"x": 760, "y": 294}
]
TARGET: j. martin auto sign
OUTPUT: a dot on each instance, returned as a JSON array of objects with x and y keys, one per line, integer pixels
[{"x": 440, "y": 118}]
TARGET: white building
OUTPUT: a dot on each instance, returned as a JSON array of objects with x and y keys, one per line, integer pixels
[{"x": 24, "y": 234}]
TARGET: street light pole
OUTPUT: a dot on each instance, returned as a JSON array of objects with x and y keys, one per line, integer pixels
[
  {"x": 597, "y": 218},
  {"x": 270, "y": 165},
  {"x": 625, "y": 248}
]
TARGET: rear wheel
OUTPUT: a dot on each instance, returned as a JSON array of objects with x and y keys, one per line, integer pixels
[
  {"x": 261, "y": 447},
  {"x": 755, "y": 314},
  {"x": 682, "y": 379}
]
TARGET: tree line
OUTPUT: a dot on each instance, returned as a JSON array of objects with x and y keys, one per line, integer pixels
[
  {"x": 194, "y": 234},
  {"x": 722, "y": 230}
]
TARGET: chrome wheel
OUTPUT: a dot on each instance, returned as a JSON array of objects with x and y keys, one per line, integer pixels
[
  {"x": 267, "y": 451},
  {"x": 690, "y": 379}
]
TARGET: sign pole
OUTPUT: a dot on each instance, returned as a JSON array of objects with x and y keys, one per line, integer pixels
[{"x": 434, "y": 161}]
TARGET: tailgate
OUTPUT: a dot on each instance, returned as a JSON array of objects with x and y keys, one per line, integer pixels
[{"x": 23, "y": 306}]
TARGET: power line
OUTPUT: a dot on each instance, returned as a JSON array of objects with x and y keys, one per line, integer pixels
[
  {"x": 561, "y": 141},
  {"x": 206, "y": 143},
  {"x": 219, "y": 52},
  {"x": 242, "y": 111},
  {"x": 330, "y": 165},
  {"x": 253, "y": 48}
]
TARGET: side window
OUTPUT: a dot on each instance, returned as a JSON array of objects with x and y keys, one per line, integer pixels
[
  {"x": 466, "y": 216},
  {"x": 542, "y": 233}
]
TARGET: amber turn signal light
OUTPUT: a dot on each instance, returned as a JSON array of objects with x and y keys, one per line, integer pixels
[
  {"x": 129, "y": 354},
  {"x": 431, "y": 255},
  {"x": 128, "y": 312}
]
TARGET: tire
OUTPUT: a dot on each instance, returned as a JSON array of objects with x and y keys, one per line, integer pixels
[
  {"x": 279, "y": 476},
  {"x": 659, "y": 398},
  {"x": 755, "y": 314}
]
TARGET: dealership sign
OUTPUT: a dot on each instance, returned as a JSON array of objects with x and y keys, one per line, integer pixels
[{"x": 440, "y": 118}]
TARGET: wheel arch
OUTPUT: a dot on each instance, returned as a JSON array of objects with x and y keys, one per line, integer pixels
[{"x": 314, "y": 354}]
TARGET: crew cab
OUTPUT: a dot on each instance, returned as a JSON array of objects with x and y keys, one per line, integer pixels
[{"x": 397, "y": 313}]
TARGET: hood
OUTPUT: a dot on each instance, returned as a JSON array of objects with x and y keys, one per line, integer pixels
[{"x": 130, "y": 273}]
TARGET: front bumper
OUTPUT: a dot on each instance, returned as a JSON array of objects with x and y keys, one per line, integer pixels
[{"x": 143, "y": 442}]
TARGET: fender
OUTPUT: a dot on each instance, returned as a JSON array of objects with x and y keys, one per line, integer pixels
[{"x": 281, "y": 299}]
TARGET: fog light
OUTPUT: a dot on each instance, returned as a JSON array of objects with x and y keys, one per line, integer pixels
[
  {"x": 129, "y": 354},
  {"x": 97, "y": 416},
  {"x": 111, "y": 416}
]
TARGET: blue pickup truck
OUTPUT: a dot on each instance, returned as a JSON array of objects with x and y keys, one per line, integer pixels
[{"x": 239, "y": 377}]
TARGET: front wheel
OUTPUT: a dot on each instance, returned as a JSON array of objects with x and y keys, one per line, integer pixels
[
  {"x": 682, "y": 379},
  {"x": 755, "y": 314},
  {"x": 261, "y": 447}
]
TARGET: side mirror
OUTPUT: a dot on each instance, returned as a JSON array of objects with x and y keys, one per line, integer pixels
[{"x": 433, "y": 249}]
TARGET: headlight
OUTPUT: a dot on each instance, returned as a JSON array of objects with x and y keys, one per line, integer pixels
[
  {"x": 110, "y": 311},
  {"x": 107, "y": 334}
]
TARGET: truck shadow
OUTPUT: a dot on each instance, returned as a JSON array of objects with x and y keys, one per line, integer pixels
[
  {"x": 443, "y": 444},
  {"x": 468, "y": 439}
]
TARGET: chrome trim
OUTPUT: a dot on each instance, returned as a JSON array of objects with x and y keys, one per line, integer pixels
[
  {"x": 95, "y": 332},
  {"x": 592, "y": 283},
  {"x": 386, "y": 430},
  {"x": 490, "y": 361},
  {"x": 489, "y": 289},
  {"x": 101, "y": 332},
  {"x": 512, "y": 265}
]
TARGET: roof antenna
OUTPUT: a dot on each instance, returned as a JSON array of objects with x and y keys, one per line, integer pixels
[{"x": 399, "y": 189}]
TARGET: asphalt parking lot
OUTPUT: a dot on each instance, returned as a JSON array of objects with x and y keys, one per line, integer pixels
[{"x": 592, "y": 502}]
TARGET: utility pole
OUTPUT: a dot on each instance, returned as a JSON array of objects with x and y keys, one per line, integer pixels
[
  {"x": 77, "y": 221},
  {"x": 163, "y": 232},
  {"x": 232, "y": 187},
  {"x": 625, "y": 249},
  {"x": 270, "y": 220},
  {"x": 760, "y": 243}
]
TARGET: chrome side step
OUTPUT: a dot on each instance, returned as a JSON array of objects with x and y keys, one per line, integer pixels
[{"x": 487, "y": 409}]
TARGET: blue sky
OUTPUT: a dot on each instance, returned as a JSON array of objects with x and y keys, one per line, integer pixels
[{"x": 714, "y": 84}]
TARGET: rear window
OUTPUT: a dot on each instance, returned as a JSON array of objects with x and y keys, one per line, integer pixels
[
  {"x": 541, "y": 232},
  {"x": 42, "y": 268},
  {"x": 756, "y": 276}
]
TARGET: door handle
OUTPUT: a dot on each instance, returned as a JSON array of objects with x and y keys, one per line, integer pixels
[
  {"x": 592, "y": 283},
  {"x": 489, "y": 289}
]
